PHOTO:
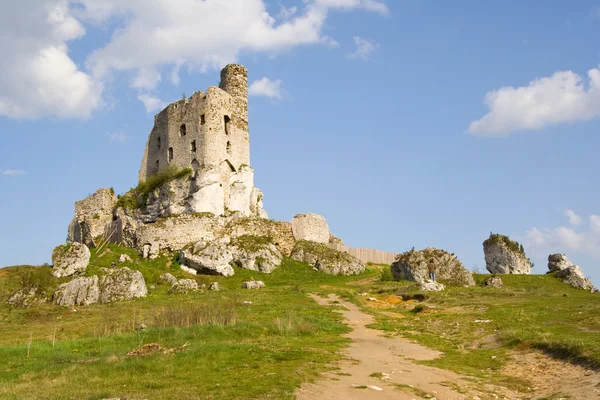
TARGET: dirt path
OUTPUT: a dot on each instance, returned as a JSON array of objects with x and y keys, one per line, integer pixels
[{"x": 394, "y": 358}]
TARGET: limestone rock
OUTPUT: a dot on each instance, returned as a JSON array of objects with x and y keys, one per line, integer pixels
[
  {"x": 279, "y": 232},
  {"x": 214, "y": 286},
  {"x": 212, "y": 259},
  {"x": 413, "y": 266},
  {"x": 70, "y": 259},
  {"x": 558, "y": 262},
  {"x": 311, "y": 227},
  {"x": 256, "y": 253},
  {"x": 79, "y": 291},
  {"x": 253, "y": 284},
  {"x": 92, "y": 214},
  {"x": 124, "y": 258},
  {"x": 332, "y": 261},
  {"x": 431, "y": 286},
  {"x": 167, "y": 278},
  {"x": 188, "y": 270},
  {"x": 503, "y": 256},
  {"x": 25, "y": 298},
  {"x": 574, "y": 276},
  {"x": 493, "y": 281},
  {"x": 121, "y": 284},
  {"x": 184, "y": 286}
]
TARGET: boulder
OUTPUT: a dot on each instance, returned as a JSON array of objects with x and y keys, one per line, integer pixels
[
  {"x": 431, "y": 286},
  {"x": 413, "y": 266},
  {"x": 79, "y": 291},
  {"x": 124, "y": 258},
  {"x": 25, "y": 298},
  {"x": 256, "y": 253},
  {"x": 332, "y": 261},
  {"x": 493, "y": 281},
  {"x": 212, "y": 258},
  {"x": 574, "y": 276},
  {"x": 311, "y": 227},
  {"x": 504, "y": 256},
  {"x": 121, "y": 284},
  {"x": 188, "y": 270},
  {"x": 558, "y": 262},
  {"x": 167, "y": 278},
  {"x": 253, "y": 284},
  {"x": 184, "y": 286},
  {"x": 214, "y": 286},
  {"x": 70, "y": 259}
]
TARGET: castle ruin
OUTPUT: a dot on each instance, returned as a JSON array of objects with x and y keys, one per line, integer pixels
[{"x": 209, "y": 134}]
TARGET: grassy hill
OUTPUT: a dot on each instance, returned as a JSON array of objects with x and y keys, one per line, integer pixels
[{"x": 216, "y": 345}]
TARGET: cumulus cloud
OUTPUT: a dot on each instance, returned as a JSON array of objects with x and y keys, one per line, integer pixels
[
  {"x": 152, "y": 103},
  {"x": 12, "y": 172},
  {"x": 364, "y": 49},
  {"x": 37, "y": 76},
  {"x": 574, "y": 219},
  {"x": 267, "y": 88},
  {"x": 560, "y": 98},
  {"x": 147, "y": 39},
  {"x": 586, "y": 240},
  {"x": 118, "y": 137}
]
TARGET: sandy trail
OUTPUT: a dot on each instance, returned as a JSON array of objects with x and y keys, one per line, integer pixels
[{"x": 371, "y": 353}]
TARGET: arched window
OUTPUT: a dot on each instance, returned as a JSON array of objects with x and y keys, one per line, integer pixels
[
  {"x": 170, "y": 154},
  {"x": 229, "y": 148},
  {"x": 182, "y": 130},
  {"x": 227, "y": 123},
  {"x": 193, "y": 146}
]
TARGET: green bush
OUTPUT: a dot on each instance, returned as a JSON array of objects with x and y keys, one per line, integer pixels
[{"x": 138, "y": 197}]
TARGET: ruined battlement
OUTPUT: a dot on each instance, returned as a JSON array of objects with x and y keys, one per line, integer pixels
[{"x": 206, "y": 130}]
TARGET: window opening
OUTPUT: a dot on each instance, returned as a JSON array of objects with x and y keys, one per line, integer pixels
[
  {"x": 227, "y": 123},
  {"x": 182, "y": 130},
  {"x": 202, "y": 119},
  {"x": 170, "y": 154},
  {"x": 193, "y": 146},
  {"x": 229, "y": 148}
]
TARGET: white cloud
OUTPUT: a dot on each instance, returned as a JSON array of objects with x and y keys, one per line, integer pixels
[
  {"x": 118, "y": 137},
  {"x": 267, "y": 88},
  {"x": 12, "y": 172},
  {"x": 560, "y": 98},
  {"x": 364, "y": 49},
  {"x": 37, "y": 76},
  {"x": 286, "y": 13},
  {"x": 152, "y": 103},
  {"x": 565, "y": 239},
  {"x": 574, "y": 219}
]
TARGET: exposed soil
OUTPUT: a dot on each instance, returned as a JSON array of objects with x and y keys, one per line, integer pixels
[{"x": 397, "y": 377}]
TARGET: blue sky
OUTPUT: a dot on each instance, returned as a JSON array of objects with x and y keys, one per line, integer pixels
[{"x": 405, "y": 123}]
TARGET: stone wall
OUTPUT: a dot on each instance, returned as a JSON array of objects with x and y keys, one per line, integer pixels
[
  {"x": 311, "y": 227},
  {"x": 366, "y": 255},
  {"x": 92, "y": 214}
]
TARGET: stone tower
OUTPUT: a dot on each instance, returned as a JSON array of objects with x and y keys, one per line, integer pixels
[{"x": 208, "y": 133}]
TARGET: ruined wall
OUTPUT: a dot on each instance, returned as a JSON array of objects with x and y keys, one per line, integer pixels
[
  {"x": 366, "y": 255},
  {"x": 208, "y": 129},
  {"x": 311, "y": 227}
]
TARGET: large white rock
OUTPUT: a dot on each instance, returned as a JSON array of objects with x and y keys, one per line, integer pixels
[
  {"x": 92, "y": 214},
  {"x": 121, "y": 284},
  {"x": 209, "y": 258},
  {"x": 240, "y": 191},
  {"x": 500, "y": 259},
  {"x": 413, "y": 265},
  {"x": 256, "y": 204},
  {"x": 331, "y": 261},
  {"x": 431, "y": 286},
  {"x": 209, "y": 199},
  {"x": 256, "y": 253},
  {"x": 79, "y": 291},
  {"x": 184, "y": 286},
  {"x": 558, "y": 262},
  {"x": 70, "y": 259},
  {"x": 574, "y": 276},
  {"x": 311, "y": 227}
]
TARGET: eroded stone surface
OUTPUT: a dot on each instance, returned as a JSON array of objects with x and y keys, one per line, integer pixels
[
  {"x": 493, "y": 281},
  {"x": 70, "y": 259},
  {"x": 499, "y": 259},
  {"x": 92, "y": 215},
  {"x": 413, "y": 265},
  {"x": 256, "y": 253},
  {"x": 311, "y": 227},
  {"x": 253, "y": 285},
  {"x": 167, "y": 278},
  {"x": 121, "y": 284},
  {"x": 558, "y": 262},
  {"x": 80, "y": 291},
  {"x": 331, "y": 261},
  {"x": 184, "y": 286},
  {"x": 209, "y": 258}
]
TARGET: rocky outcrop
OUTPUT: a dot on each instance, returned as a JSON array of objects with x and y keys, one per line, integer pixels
[
  {"x": 70, "y": 259},
  {"x": 431, "y": 286},
  {"x": 570, "y": 273},
  {"x": 253, "y": 284},
  {"x": 214, "y": 286},
  {"x": 279, "y": 232},
  {"x": 255, "y": 253},
  {"x": 493, "y": 281},
  {"x": 504, "y": 256},
  {"x": 167, "y": 278},
  {"x": 92, "y": 214},
  {"x": 413, "y": 266},
  {"x": 78, "y": 292},
  {"x": 121, "y": 284},
  {"x": 25, "y": 298},
  {"x": 209, "y": 258},
  {"x": 184, "y": 286},
  {"x": 311, "y": 227},
  {"x": 331, "y": 261}
]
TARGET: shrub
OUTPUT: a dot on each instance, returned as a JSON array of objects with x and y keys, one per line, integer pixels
[{"x": 386, "y": 275}]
